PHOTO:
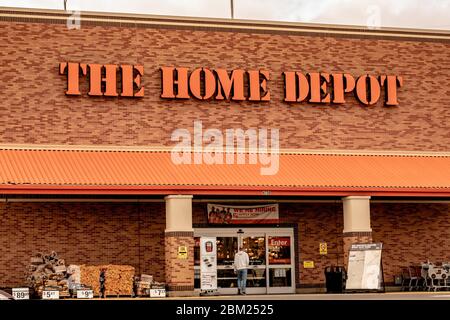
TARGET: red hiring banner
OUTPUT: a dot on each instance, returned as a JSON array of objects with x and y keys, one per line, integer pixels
[{"x": 264, "y": 214}]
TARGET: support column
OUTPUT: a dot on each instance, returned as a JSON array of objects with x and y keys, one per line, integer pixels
[
  {"x": 356, "y": 222},
  {"x": 179, "y": 233}
]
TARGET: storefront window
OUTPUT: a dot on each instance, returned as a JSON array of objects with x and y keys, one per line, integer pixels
[
  {"x": 280, "y": 277},
  {"x": 226, "y": 278},
  {"x": 256, "y": 278},
  {"x": 226, "y": 248},
  {"x": 256, "y": 249},
  {"x": 279, "y": 250}
]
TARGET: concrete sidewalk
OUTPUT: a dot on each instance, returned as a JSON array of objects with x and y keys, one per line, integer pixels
[{"x": 349, "y": 296}]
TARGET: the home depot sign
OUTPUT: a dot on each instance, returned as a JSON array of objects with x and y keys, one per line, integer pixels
[{"x": 237, "y": 85}]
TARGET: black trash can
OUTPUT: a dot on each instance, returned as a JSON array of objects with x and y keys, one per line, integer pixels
[{"x": 335, "y": 279}]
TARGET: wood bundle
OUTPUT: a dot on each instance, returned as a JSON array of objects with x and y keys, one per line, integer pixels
[
  {"x": 118, "y": 279},
  {"x": 144, "y": 283},
  {"x": 47, "y": 272}
]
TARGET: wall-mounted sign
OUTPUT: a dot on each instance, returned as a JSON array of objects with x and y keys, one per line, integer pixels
[
  {"x": 103, "y": 79},
  {"x": 238, "y": 85},
  {"x": 308, "y": 264},
  {"x": 182, "y": 252},
  {"x": 221, "y": 214},
  {"x": 323, "y": 248}
]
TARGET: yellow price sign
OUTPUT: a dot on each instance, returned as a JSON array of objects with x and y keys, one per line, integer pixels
[{"x": 308, "y": 264}]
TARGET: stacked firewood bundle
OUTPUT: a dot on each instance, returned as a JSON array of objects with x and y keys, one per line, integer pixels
[
  {"x": 118, "y": 278},
  {"x": 47, "y": 272},
  {"x": 144, "y": 283}
]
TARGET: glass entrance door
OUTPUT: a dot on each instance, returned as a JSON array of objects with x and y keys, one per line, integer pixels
[
  {"x": 271, "y": 255},
  {"x": 281, "y": 263},
  {"x": 226, "y": 249},
  {"x": 255, "y": 246}
]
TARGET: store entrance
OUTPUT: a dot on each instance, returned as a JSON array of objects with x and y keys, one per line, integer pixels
[{"x": 271, "y": 253}]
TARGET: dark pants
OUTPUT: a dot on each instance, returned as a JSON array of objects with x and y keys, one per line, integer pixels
[
  {"x": 102, "y": 291},
  {"x": 242, "y": 280}
]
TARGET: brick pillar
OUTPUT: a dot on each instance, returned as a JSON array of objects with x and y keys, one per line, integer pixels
[
  {"x": 356, "y": 222},
  {"x": 179, "y": 233}
]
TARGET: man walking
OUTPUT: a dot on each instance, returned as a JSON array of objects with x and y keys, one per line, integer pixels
[{"x": 241, "y": 263}]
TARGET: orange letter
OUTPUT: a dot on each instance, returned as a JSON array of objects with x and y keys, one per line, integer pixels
[
  {"x": 195, "y": 83},
  {"x": 137, "y": 80},
  {"x": 342, "y": 83},
  {"x": 73, "y": 76},
  {"x": 225, "y": 83},
  {"x": 257, "y": 81},
  {"x": 292, "y": 86},
  {"x": 318, "y": 88},
  {"x": 96, "y": 79},
  {"x": 168, "y": 83},
  {"x": 391, "y": 88},
  {"x": 362, "y": 84}
]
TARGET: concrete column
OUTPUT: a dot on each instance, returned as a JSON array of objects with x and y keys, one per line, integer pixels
[
  {"x": 356, "y": 222},
  {"x": 179, "y": 213},
  {"x": 179, "y": 233}
]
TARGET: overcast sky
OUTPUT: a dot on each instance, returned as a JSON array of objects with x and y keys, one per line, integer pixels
[{"x": 425, "y": 14}]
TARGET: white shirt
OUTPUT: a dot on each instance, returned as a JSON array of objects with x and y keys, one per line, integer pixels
[{"x": 241, "y": 260}]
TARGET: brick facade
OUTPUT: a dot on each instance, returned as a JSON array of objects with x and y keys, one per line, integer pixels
[
  {"x": 179, "y": 272},
  {"x": 82, "y": 233},
  {"x": 35, "y": 110},
  {"x": 123, "y": 233},
  {"x": 411, "y": 234}
]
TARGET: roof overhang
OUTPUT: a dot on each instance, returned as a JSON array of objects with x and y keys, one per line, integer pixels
[{"x": 49, "y": 171}]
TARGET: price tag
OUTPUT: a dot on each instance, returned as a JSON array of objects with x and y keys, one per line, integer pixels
[
  {"x": 50, "y": 294},
  {"x": 85, "y": 294},
  {"x": 157, "y": 293},
  {"x": 21, "y": 293}
]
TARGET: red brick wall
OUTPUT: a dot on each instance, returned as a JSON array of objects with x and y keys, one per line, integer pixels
[
  {"x": 82, "y": 233},
  {"x": 411, "y": 234},
  {"x": 102, "y": 233},
  {"x": 34, "y": 109},
  {"x": 179, "y": 272}
]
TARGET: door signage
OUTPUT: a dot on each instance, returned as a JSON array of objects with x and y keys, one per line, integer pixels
[{"x": 208, "y": 263}]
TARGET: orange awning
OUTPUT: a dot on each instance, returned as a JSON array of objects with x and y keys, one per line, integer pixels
[{"x": 153, "y": 172}]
